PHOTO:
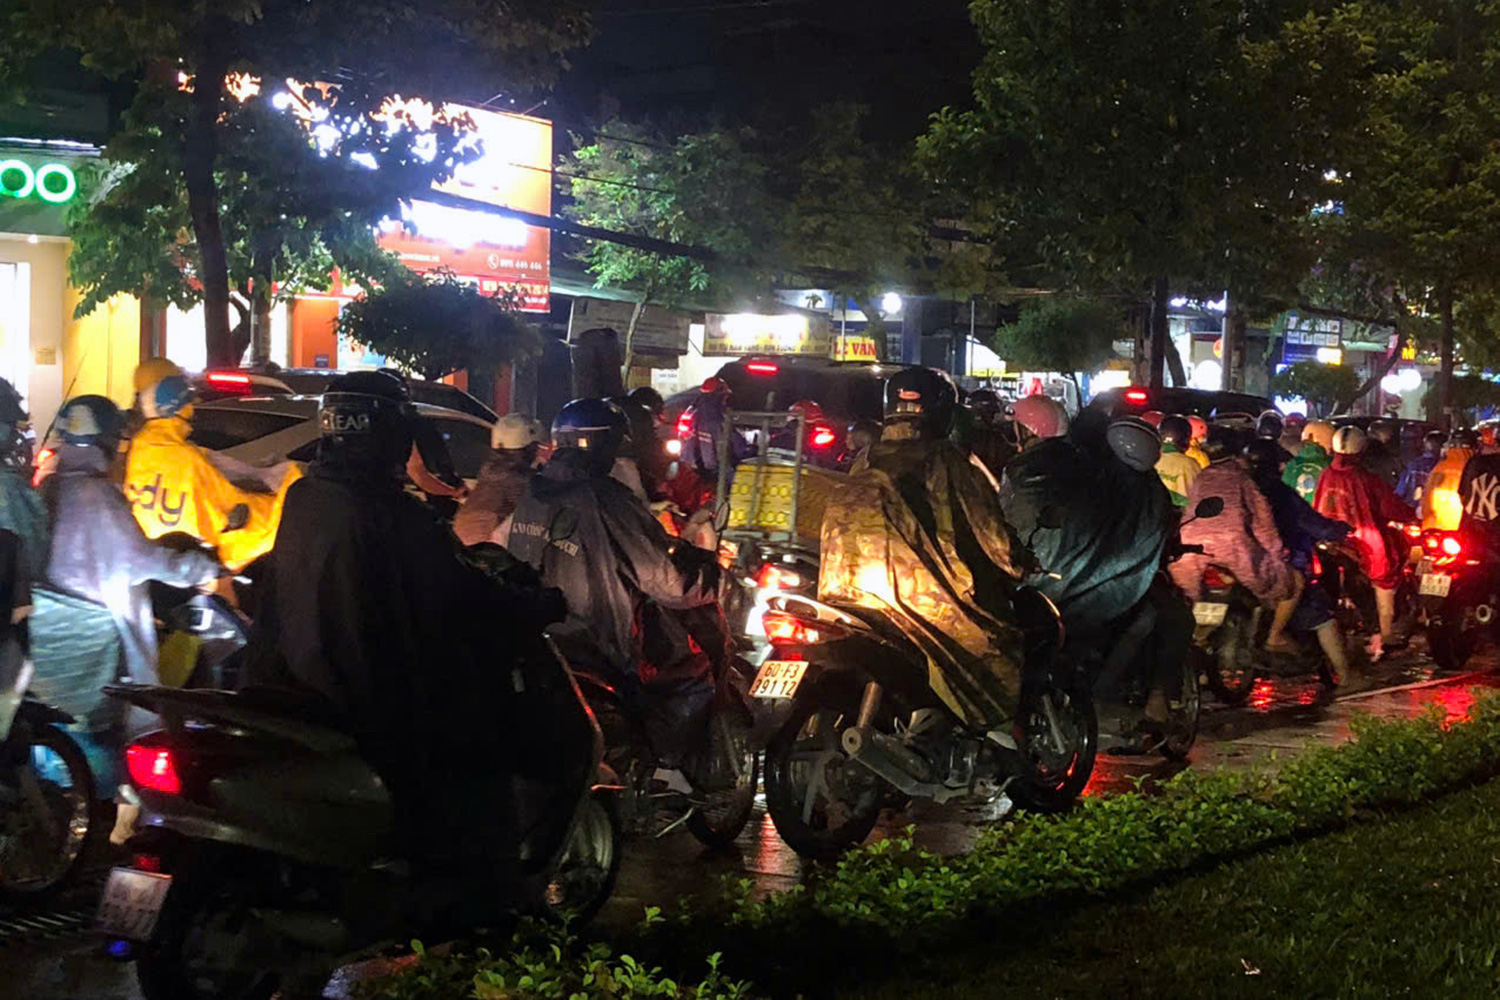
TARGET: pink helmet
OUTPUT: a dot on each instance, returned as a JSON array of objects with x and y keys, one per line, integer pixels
[
  {"x": 1199, "y": 426},
  {"x": 1153, "y": 417},
  {"x": 1041, "y": 415}
]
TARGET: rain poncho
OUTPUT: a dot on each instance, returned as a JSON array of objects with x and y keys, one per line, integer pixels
[
  {"x": 1177, "y": 472},
  {"x": 1102, "y": 559},
  {"x": 1303, "y": 471},
  {"x": 1350, "y": 493},
  {"x": 99, "y": 554},
  {"x": 502, "y": 480},
  {"x": 1414, "y": 479},
  {"x": 173, "y": 486},
  {"x": 919, "y": 534},
  {"x": 1441, "y": 506},
  {"x": 1243, "y": 538}
]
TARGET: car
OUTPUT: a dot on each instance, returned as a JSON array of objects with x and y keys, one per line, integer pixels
[
  {"x": 215, "y": 384},
  {"x": 1132, "y": 401},
  {"x": 262, "y": 430},
  {"x": 312, "y": 382}
]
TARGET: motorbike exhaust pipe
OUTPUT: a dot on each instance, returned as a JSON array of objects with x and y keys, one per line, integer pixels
[
  {"x": 1484, "y": 614},
  {"x": 885, "y": 755}
]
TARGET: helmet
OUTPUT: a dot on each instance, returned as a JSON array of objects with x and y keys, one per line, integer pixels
[
  {"x": 1264, "y": 455},
  {"x": 163, "y": 389},
  {"x": 1270, "y": 424},
  {"x": 1041, "y": 415},
  {"x": 596, "y": 426},
  {"x": 1432, "y": 443},
  {"x": 1199, "y": 426},
  {"x": 984, "y": 401},
  {"x": 811, "y": 412},
  {"x": 365, "y": 420},
  {"x": 1465, "y": 439},
  {"x": 1134, "y": 442},
  {"x": 650, "y": 399},
  {"x": 1383, "y": 431},
  {"x": 1350, "y": 440},
  {"x": 1176, "y": 431},
  {"x": 90, "y": 420},
  {"x": 921, "y": 396},
  {"x": 1294, "y": 422},
  {"x": 714, "y": 384},
  {"x": 1152, "y": 417},
  {"x": 1221, "y": 442},
  {"x": 515, "y": 431},
  {"x": 1320, "y": 433}
]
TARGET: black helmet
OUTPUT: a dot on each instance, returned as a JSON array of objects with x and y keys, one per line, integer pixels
[
  {"x": 1175, "y": 431},
  {"x": 1432, "y": 442},
  {"x": 650, "y": 399},
  {"x": 365, "y": 420},
  {"x": 985, "y": 402},
  {"x": 596, "y": 426},
  {"x": 1222, "y": 442},
  {"x": 1270, "y": 425},
  {"x": 91, "y": 420},
  {"x": 1265, "y": 456},
  {"x": 1465, "y": 438},
  {"x": 921, "y": 396},
  {"x": 1134, "y": 442}
]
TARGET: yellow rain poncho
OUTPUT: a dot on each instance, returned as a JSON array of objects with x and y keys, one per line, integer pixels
[
  {"x": 173, "y": 486},
  {"x": 918, "y": 534}
]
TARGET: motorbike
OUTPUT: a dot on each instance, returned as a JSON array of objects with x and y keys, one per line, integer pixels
[
  {"x": 1456, "y": 593},
  {"x": 266, "y": 855},
  {"x": 856, "y": 724},
  {"x": 50, "y": 812}
]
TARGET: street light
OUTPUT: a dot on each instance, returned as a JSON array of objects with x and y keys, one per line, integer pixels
[{"x": 890, "y": 303}]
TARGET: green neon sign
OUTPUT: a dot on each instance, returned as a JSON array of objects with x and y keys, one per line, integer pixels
[{"x": 51, "y": 182}]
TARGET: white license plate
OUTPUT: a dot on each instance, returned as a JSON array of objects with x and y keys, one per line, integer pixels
[
  {"x": 1435, "y": 584},
  {"x": 131, "y": 903},
  {"x": 778, "y": 678},
  {"x": 1210, "y": 613}
]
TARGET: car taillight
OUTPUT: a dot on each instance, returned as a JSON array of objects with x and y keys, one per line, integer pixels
[
  {"x": 773, "y": 577},
  {"x": 153, "y": 768},
  {"x": 43, "y": 457},
  {"x": 1214, "y": 579},
  {"x": 685, "y": 425},
  {"x": 822, "y": 437},
  {"x": 762, "y": 368},
  {"x": 1136, "y": 397},
  {"x": 783, "y": 629},
  {"x": 230, "y": 382}
]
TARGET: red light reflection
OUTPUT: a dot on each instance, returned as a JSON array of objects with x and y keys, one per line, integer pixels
[{"x": 1262, "y": 695}]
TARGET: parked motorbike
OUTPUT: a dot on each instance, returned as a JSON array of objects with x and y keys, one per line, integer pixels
[
  {"x": 858, "y": 723},
  {"x": 1457, "y": 592},
  {"x": 266, "y": 855}
]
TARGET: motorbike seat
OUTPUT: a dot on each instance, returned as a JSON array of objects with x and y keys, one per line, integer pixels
[{"x": 287, "y": 717}]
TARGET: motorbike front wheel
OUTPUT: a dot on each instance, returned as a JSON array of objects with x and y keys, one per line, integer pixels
[
  {"x": 49, "y": 811},
  {"x": 733, "y": 773},
  {"x": 1060, "y": 738},
  {"x": 584, "y": 877},
  {"x": 1231, "y": 658},
  {"x": 821, "y": 802}
]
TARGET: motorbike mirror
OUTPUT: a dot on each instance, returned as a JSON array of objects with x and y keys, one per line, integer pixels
[
  {"x": 721, "y": 517},
  {"x": 239, "y": 517},
  {"x": 1209, "y": 507}
]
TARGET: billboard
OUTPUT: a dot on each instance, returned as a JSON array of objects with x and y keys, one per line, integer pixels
[{"x": 755, "y": 333}]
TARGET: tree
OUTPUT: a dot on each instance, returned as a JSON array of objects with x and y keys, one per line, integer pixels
[
  {"x": 1061, "y": 334},
  {"x": 1325, "y": 388},
  {"x": 436, "y": 325},
  {"x": 200, "y": 103}
]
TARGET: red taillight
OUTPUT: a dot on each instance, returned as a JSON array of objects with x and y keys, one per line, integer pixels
[
  {"x": 1214, "y": 579},
  {"x": 153, "y": 768},
  {"x": 43, "y": 457},
  {"x": 1413, "y": 531},
  {"x": 783, "y": 629},
  {"x": 773, "y": 577},
  {"x": 762, "y": 368},
  {"x": 1136, "y": 396},
  {"x": 685, "y": 425},
  {"x": 1430, "y": 542},
  {"x": 1452, "y": 546},
  {"x": 822, "y": 437},
  {"x": 230, "y": 382},
  {"x": 146, "y": 863}
]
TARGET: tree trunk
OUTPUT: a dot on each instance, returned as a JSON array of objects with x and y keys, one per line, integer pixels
[
  {"x": 1343, "y": 405},
  {"x": 1234, "y": 347},
  {"x": 1444, "y": 387},
  {"x": 1160, "y": 294},
  {"x": 200, "y": 150},
  {"x": 1140, "y": 325},
  {"x": 629, "y": 349},
  {"x": 260, "y": 326},
  {"x": 239, "y": 335}
]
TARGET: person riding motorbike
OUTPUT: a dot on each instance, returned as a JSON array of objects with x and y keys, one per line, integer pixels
[
  {"x": 645, "y": 408},
  {"x": 701, "y": 449},
  {"x": 1270, "y": 427},
  {"x": 21, "y": 510},
  {"x": 1291, "y": 432},
  {"x": 1365, "y": 500},
  {"x": 626, "y": 581},
  {"x": 1176, "y": 470},
  {"x": 1382, "y": 454},
  {"x": 173, "y": 485},
  {"x": 991, "y": 444},
  {"x": 393, "y": 638},
  {"x": 919, "y": 535},
  {"x": 515, "y": 441},
  {"x": 1414, "y": 479},
  {"x": 821, "y": 444},
  {"x": 1441, "y": 506},
  {"x": 1304, "y": 470},
  {"x": 1195, "y": 443}
]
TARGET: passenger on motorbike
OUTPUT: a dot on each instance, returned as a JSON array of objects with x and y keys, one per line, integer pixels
[
  {"x": 919, "y": 534},
  {"x": 1479, "y": 490},
  {"x": 1315, "y": 455},
  {"x": 622, "y": 575},
  {"x": 1441, "y": 506},
  {"x": 1414, "y": 479},
  {"x": 515, "y": 441},
  {"x": 1176, "y": 470},
  {"x": 1365, "y": 500},
  {"x": 174, "y": 486}
]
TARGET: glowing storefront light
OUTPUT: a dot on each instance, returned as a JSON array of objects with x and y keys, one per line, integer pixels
[{"x": 51, "y": 182}]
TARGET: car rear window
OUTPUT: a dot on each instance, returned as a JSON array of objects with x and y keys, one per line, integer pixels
[
  {"x": 217, "y": 430},
  {"x": 468, "y": 444}
]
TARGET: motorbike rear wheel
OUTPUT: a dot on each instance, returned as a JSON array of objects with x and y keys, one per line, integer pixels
[
  {"x": 584, "y": 877},
  {"x": 821, "y": 802},
  {"x": 1231, "y": 658},
  {"x": 723, "y": 813},
  {"x": 49, "y": 812},
  {"x": 1183, "y": 715},
  {"x": 190, "y": 957},
  {"x": 1450, "y": 642},
  {"x": 1060, "y": 739}
]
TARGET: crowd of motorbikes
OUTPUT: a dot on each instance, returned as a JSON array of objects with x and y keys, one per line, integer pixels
[{"x": 262, "y": 850}]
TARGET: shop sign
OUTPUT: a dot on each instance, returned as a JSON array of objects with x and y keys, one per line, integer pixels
[
  {"x": 854, "y": 347},
  {"x": 1312, "y": 338},
  {"x": 658, "y": 331},
  {"x": 802, "y": 334},
  {"x": 49, "y": 182}
]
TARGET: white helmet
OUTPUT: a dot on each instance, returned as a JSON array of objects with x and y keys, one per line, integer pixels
[
  {"x": 515, "y": 431},
  {"x": 1349, "y": 440}
]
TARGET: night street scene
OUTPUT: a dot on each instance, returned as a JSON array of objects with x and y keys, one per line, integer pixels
[{"x": 749, "y": 499}]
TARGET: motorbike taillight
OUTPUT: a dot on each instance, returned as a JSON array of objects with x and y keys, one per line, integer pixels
[
  {"x": 774, "y": 577},
  {"x": 153, "y": 768},
  {"x": 685, "y": 425},
  {"x": 783, "y": 629}
]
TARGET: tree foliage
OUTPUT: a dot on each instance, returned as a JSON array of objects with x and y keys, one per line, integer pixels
[
  {"x": 1325, "y": 388},
  {"x": 1061, "y": 334},
  {"x": 436, "y": 325}
]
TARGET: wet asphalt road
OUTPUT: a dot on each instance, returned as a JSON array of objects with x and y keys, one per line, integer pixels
[{"x": 51, "y": 955}]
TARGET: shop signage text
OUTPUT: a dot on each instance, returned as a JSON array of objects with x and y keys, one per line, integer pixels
[{"x": 51, "y": 182}]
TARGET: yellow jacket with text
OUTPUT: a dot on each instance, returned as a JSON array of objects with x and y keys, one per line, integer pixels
[{"x": 173, "y": 486}]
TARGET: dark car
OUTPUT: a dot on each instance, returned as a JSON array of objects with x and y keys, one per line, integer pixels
[
  {"x": 1134, "y": 400},
  {"x": 312, "y": 382}
]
